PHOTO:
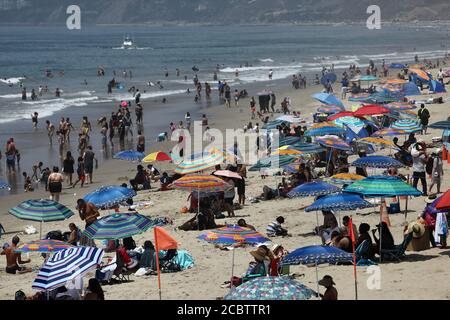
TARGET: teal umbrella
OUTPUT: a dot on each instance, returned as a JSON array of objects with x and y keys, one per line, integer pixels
[
  {"x": 407, "y": 125},
  {"x": 444, "y": 125},
  {"x": 274, "y": 162},
  {"x": 271, "y": 288}
]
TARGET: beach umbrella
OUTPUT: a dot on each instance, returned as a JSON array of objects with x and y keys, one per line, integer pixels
[
  {"x": 397, "y": 82},
  {"x": 397, "y": 66},
  {"x": 340, "y": 115},
  {"x": 431, "y": 208},
  {"x": 444, "y": 125},
  {"x": 288, "y": 141},
  {"x": 366, "y": 78},
  {"x": 355, "y": 124},
  {"x": 371, "y": 110},
  {"x": 329, "y": 109},
  {"x": 381, "y": 162},
  {"x": 227, "y": 174},
  {"x": 333, "y": 142},
  {"x": 328, "y": 77},
  {"x": 107, "y": 197},
  {"x": 42, "y": 210},
  {"x": 324, "y": 124},
  {"x": 345, "y": 178},
  {"x": 118, "y": 226},
  {"x": 400, "y": 107},
  {"x": 231, "y": 235},
  {"x": 374, "y": 140},
  {"x": 129, "y": 155},
  {"x": 323, "y": 131},
  {"x": 43, "y": 246},
  {"x": 407, "y": 125},
  {"x": 306, "y": 148},
  {"x": 286, "y": 150},
  {"x": 156, "y": 156},
  {"x": 444, "y": 201},
  {"x": 274, "y": 162},
  {"x": 420, "y": 73},
  {"x": 199, "y": 162},
  {"x": 389, "y": 132},
  {"x": 271, "y": 288},
  {"x": 4, "y": 185},
  {"x": 274, "y": 124},
  {"x": 316, "y": 255},
  {"x": 328, "y": 99},
  {"x": 289, "y": 118},
  {"x": 314, "y": 188},
  {"x": 339, "y": 202},
  {"x": 67, "y": 265}
]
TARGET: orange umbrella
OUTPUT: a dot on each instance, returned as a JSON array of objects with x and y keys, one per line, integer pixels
[
  {"x": 323, "y": 124},
  {"x": 396, "y": 81},
  {"x": 421, "y": 74}
]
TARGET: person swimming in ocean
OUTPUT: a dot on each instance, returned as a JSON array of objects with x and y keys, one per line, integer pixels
[{"x": 24, "y": 93}]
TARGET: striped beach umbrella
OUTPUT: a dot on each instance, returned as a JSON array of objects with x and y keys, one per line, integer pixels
[
  {"x": 271, "y": 288},
  {"x": 200, "y": 183},
  {"x": 129, "y": 155},
  {"x": 287, "y": 152},
  {"x": 389, "y": 132},
  {"x": 273, "y": 162},
  {"x": 339, "y": 202},
  {"x": 42, "y": 210},
  {"x": 199, "y": 162},
  {"x": 420, "y": 73},
  {"x": 381, "y": 162},
  {"x": 4, "y": 185},
  {"x": 323, "y": 124},
  {"x": 444, "y": 125},
  {"x": 400, "y": 106},
  {"x": 107, "y": 197},
  {"x": 67, "y": 265},
  {"x": 374, "y": 140},
  {"x": 407, "y": 125},
  {"x": 345, "y": 178},
  {"x": 307, "y": 148},
  {"x": 315, "y": 188},
  {"x": 328, "y": 99},
  {"x": 333, "y": 142},
  {"x": 383, "y": 187},
  {"x": 287, "y": 141},
  {"x": 329, "y": 109},
  {"x": 43, "y": 246},
  {"x": 232, "y": 234},
  {"x": 156, "y": 156},
  {"x": 355, "y": 124},
  {"x": 118, "y": 226},
  {"x": 323, "y": 131}
]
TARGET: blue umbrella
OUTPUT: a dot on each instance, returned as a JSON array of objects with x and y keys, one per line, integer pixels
[
  {"x": 107, "y": 197},
  {"x": 397, "y": 66},
  {"x": 339, "y": 202},
  {"x": 287, "y": 141},
  {"x": 323, "y": 131},
  {"x": 329, "y": 77},
  {"x": 274, "y": 124},
  {"x": 307, "y": 148},
  {"x": 327, "y": 98},
  {"x": 4, "y": 185},
  {"x": 129, "y": 155},
  {"x": 315, "y": 188},
  {"x": 377, "y": 162},
  {"x": 382, "y": 187}
]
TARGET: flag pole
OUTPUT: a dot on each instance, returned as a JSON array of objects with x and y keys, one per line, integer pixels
[
  {"x": 157, "y": 263},
  {"x": 352, "y": 236}
]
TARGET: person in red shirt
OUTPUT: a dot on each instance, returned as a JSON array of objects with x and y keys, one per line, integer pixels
[{"x": 278, "y": 253}]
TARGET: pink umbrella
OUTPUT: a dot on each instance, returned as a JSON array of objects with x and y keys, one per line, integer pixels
[
  {"x": 227, "y": 173},
  {"x": 124, "y": 104}
]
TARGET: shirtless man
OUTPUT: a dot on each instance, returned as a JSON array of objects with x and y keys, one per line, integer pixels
[
  {"x": 50, "y": 131},
  {"x": 13, "y": 259},
  {"x": 88, "y": 211}
]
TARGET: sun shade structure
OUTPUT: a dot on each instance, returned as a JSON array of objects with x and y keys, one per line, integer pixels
[
  {"x": 118, "y": 226},
  {"x": 129, "y": 155},
  {"x": 232, "y": 234},
  {"x": 406, "y": 125},
  {"x": 346, "y": 178},
  {"x": 339, "y": 202},
  {"x": 382, "y": 187},
  {"x": 107, "y": 197},
  {"x": 379, "y": 141},
  {"x": 371, "y": 110},
  {"x": 156, "y": 156},
  {"x": 66, "y": 265},
  {"x": 200, "y": 183},
  {"x": 315, "y": 188},
  {"x": 271, "y": 288},
  {"x": 227, "y": 174},
  {"x": 444, "y": 201},
  {"x": 275, "y": 162},
  {"x": 420, "y": 73},
  {"x": 381, "y": 162},
  {"x": 323, "y": 131},
  {"x": 42, "y": 210},
  {"x": 44, "y": 246},
  {"x": 199, "y": 162},
  {"x": 328, "y": 99},
  {"x": 444, "y": 125},
  {"x": 317, "y": 255},
  {"x": 329, "y": 109},
  {"x": 400, "y": 107},
  {"x": 389, "y": 132},
  {"x": 333, "y": 142}
]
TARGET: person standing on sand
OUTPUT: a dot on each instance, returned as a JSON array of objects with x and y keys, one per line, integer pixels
[
  {"x": 10, "y": 154},
  {"x": 187, "y": 119},
  {"x": 55, "y": 181},
  {"x": 140, "y": 142},
  {"x": 139, "y": 113},
  {"x": 88, "y": 213},
  {"x": 273, "y": 101},
  {"x": 103, "y": 133},
  {"x": 88, "y": 158},
  {"x": 80, "y": 172},
  {"x": 227, "y": 95},
  {"x": 424, "y": 116}
]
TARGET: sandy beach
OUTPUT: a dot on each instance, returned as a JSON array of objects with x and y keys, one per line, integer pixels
[{"x": 419, "y": 276}]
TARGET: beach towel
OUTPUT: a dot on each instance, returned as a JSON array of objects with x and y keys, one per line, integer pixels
[
  {"x": 441, "y": 227},
  {"x": 183, "y": 258}
]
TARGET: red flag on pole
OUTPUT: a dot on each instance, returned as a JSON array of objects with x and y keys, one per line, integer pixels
[{"x": 163, "y": 241}]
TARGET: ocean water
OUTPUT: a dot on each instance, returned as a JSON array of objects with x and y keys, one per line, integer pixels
[{"x": 251, "y": 50}]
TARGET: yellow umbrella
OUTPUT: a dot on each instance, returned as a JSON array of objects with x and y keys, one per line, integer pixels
[
  {"x": 346, "y": 178},
  {"x": 284, "y": 152},
  {"x": 377, "y": 141},
  {"x": 157, "y": 156},
  {"x": 323, "y": 124}
]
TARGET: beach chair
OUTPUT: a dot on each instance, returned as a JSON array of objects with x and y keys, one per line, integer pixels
[
  {"x": 399, "y": 250},
  {"x": 122, "y": 273}
]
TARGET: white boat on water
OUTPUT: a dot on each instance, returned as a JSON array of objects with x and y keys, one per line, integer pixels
[{"x": 128, "y": 43}]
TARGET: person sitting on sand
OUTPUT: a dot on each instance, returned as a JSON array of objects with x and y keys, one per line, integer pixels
[
  {"x": 274, "y": 229},
  {"x": 75, "y": 234},
  {"x": 94, "y": 291},
  {"x": 13, "y": 258},
  {"x": 345, "y": 230},
  {"x": 365, "y": 236},
  {"x": 330, "y": 292},
  {"x": 147, "y": 259},
  {"x": 141, "y": 178},
  {"x": 165, "y": 180},
  {"x": 387, "y": 240},
  {"x": 242, "y": 223},
  {"x": 340, "y": 241},
  {"x": 278, "y": 253},
  {"x": 329, "y": 225},
  {"x": 260, "y": 266}
]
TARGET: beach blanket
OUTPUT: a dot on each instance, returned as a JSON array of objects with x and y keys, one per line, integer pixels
[{"x": 183, "y": 258}]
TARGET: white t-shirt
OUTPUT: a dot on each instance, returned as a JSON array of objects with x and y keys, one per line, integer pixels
[{"x": 419, "y": 163}]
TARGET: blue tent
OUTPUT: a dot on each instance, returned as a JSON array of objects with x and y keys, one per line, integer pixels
[
  {"x": 397, "y": 66},
  {"x": 437, "y": 86},
  {"x": 411, "y": 89},
  {"x": 328, "y": 99}
]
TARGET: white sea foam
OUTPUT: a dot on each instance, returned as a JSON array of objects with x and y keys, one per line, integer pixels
[
  {"x": 146, "y": 95},
  {"x": 266, "y": 60}
]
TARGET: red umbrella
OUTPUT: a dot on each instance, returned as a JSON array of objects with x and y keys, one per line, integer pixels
[
  {"x": 227, "y": 173},
  {"x": 444, "y": 203},
  {"x": 340, "y": 115},
  {"x": 370, "y": 110}
]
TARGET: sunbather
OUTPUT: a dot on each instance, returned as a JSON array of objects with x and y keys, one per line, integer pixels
[{"x": 14, "y": 259}]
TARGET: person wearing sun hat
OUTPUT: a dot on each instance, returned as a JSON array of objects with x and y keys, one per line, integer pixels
[
  {"x": 330, "y": 292},
  {"x": 261, "y": 264}
]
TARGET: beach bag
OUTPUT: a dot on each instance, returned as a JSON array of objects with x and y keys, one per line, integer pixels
[{"x": 429, "y": 165}]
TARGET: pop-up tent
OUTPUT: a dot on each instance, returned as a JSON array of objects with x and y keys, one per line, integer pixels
[
  {"x": 437, "y": 87},
  {"x": 411, "y": 89}
]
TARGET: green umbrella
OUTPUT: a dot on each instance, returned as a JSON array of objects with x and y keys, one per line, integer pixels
[{"x": 273, "y": 162}]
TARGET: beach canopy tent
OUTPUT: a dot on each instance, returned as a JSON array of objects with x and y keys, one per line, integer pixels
[
  {"x": 328, "y": 99},
  {"x": 411, "y": 89},
  {"x": 437, "y": 87}
]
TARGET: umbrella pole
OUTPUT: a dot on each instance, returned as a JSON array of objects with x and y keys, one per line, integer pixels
[
  {"x": 317, "y": 280},
  {"x": 381, "y": 225},
  {"x": 232, "y": 271},
  {"x": 40, "y": 230}
]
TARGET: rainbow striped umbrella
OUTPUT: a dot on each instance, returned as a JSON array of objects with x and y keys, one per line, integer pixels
[
  {"x": 389, "y": 132},
  {"x": 398, "y": 106},
  {"x": 323, "y": 124},
  {"x": 323, "y": 131},
  {"x": 43, "y": 246},
  {"x": 273, "y": 162},
  {"x": 232, "y": 234},
  {"x": 200, "y": 183},
  {"x": 345, "y": 178},
  {"x": 199, "y": 162},
  {"x": 382, "y": 186},
  {"x": 374, "y": 140},
  {"x": 157, "y": 156},
  {"x": 406, "y": 125},
  {"x": 118, "y": 226},
  {"x": 333, "y": 142},
  {"x": 67, "y": 265}
]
